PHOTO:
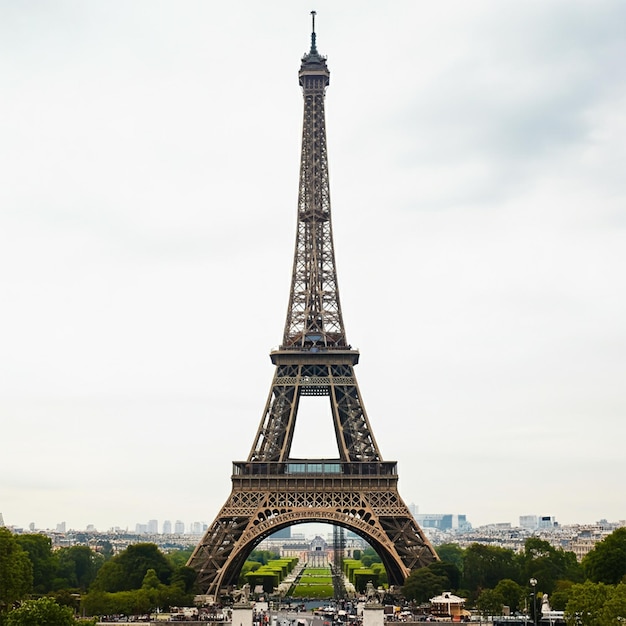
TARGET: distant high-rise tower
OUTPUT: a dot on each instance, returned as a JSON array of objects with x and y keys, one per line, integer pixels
[
  {"x": 153, "y": 527},
  {"x": 167, "y": 527},
  {"x": 271, "y": 489},
  {"x": 179, "y": 527},
  {"x": 1, "y": 521},
  {"x": 528, "y": 521}
]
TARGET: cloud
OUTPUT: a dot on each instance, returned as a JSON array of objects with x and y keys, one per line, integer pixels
[{"x": 150, "y": 159}]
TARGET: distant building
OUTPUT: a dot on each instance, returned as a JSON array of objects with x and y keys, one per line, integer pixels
[
  {"x": 317, "y": 555},
  {"x": 60, "y": 527},
  {"x": 448, "y": 605},
  {"x": 442, "y": 521},
  {"x": 528, "y": 521},
  {"x": 153, "y": 527},
  {"x": 285, "y": 533},
  {"x": 298, "y": 549},
  {"x": 197, "y": 528},
  {"x": 546, "y": 521},
  {"x": 581, "y": 546},
  {"x": 167, "y": 527},
  {"x": 179, "y": 527}
]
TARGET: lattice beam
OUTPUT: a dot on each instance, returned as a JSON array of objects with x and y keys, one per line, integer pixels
[{"x": 357, "y": 491}]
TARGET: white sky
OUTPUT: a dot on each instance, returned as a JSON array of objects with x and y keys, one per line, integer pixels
[{"x": 149, "y": 161}]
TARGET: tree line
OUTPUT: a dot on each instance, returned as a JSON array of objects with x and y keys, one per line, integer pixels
[
  {"x": 37, "y": 580},
  {"x": 592, "y": 592},
  {"x": 80, "y": 580}
]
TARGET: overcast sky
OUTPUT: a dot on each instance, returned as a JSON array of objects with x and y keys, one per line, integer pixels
[{"x": 149, "y": 155}]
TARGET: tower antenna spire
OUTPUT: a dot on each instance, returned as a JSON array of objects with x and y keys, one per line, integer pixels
[{"x": 313, "y": 46}]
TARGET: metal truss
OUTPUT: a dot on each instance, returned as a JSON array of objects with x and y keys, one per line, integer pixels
[
  {"x": 315, "y": 374},
  {"x": 259, "y": 505},
  {"x": 314, "y": 313},
  {"x": 357, "y": 491}
]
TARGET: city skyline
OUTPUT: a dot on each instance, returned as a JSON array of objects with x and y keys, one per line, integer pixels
[
  {"x": 150, "y": 159},
  {"x": 198, "y": 527}
]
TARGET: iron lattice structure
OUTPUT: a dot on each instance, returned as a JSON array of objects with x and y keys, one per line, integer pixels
[
  {"x": 339, "y": 548},
  {"x": 270, "y": 490}
]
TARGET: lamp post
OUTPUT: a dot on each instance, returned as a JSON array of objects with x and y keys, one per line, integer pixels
[{"x": 533, "y": 584}]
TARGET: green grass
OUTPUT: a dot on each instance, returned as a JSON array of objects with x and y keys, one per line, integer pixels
[
  {"x": 316, "y": 582},
  {"x": 313, "y": 591}
]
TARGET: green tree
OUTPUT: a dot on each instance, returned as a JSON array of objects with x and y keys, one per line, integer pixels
[
  {"x": 16, "y": 571},
  {"x": 451, "y": 553},
  {"x": 423, "y": 584},
  {"x": 449, "y": 570},
  {"x": 489, "y": 602},
  {"x": 153, "y": 589},
  {"x": 41, "y": 612},
  {"x": 133, "y": 602},
  {"x": 127, "y": 570},
  {"x": 369, "y": 556},
  {"x": 561, "y": 594},
  {"x": 178, "y": 558},
  {"x": 614, "y": 610},
  {"x": 511, "y": 593},
  {"x": 98, "y": 603},
  {"x": 65, "y": 597},
  {"x": 185, "y": 578},
  {"x": 263, "y": 556},
  {"x": 110, "y": 577},
  {"x": 39, "y": 550},
  {"x": 105, "y": 548},
  {"x": 362, "y": 576},
  {"x": 150, "y": 580},
  {"x": 181, "y": 591},
  {"x": 77, "y": 567},
  {"x": 152, "y": 594},
  {"x": 585, "y": 604},
  {"x": 248, "y": 566},
  {"x": 606, "y": 563},
  {"x": 484, "y": 566},
  {"x": 548, "y": 564}
]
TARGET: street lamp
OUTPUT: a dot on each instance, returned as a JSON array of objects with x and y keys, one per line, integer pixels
[{"x": 533, "y": 584}]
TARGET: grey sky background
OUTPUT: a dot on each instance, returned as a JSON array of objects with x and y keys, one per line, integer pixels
[{"x": 149, "y": 162}]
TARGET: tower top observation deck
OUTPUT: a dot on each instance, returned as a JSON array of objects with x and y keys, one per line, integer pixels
[{"x": 313, "y": 63}]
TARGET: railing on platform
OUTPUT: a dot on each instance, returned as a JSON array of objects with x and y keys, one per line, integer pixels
[{"x": 298, "y": 468}]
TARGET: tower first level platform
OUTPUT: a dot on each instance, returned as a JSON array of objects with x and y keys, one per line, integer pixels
[{"x": 268, "y": 496}]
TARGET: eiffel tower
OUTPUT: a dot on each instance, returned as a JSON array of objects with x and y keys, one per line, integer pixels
[{"x": 271, "y": 490}]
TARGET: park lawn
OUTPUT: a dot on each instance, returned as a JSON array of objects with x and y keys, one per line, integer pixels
[
  {"x": 313, "y": 591},
  {"x": 315, "y": 582}
]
